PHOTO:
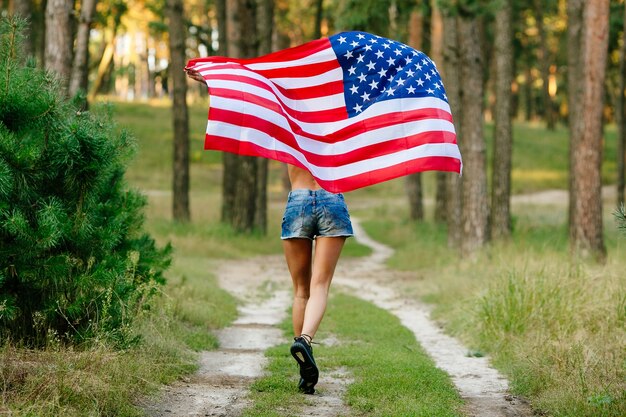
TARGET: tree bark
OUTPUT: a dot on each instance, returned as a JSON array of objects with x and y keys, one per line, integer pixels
[
  {"x": 529, "y": 108},
  {"x": 222, "y": 23},
  {"x": 451, "y": 76},
  {"x": 503, "y": 138},
  {"x": 413, "y": 186},
  {"x": 265, "y": 29},
  {"x": 79, "y": 80},
  {"x": 59, "y": 41},
  {"x": 177, "y": 37},
  {"x": 621, "y": 118},
  {"x": 319, "y": 12},
  {"x": 265, "y": 25},
  {"x": 586, "y": 226},
  {"x": 413, "y": 182},
  {"x": 574, "y": 84},
  {"x": 474, "y": 183},
  {"x": 436, "y": 53},
  {"x": 103, "y": 67},
  {"x": 244, "y": 203},
  {"x": 240, "y": 173}
]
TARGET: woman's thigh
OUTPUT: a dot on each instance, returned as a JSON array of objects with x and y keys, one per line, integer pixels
[{"x": 327, "y": 251}]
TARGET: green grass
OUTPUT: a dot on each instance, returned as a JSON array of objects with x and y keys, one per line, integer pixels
[
  {"x": 392, "y": 376},
  {"x": 99, "y": 380},
  {"x": 151, "y": 124},
  {"x": 555, "y": 326},
  {"x": 541, "y": 157}
]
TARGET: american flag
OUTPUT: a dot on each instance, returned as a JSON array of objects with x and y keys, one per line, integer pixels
[{"x": 354, "y": 109}]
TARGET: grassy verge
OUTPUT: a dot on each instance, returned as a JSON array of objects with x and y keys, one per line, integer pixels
[
  {"x": 392, "y": 376},
  {"x": 100, "y": 380},
  {"x": 555, "y": 326}
]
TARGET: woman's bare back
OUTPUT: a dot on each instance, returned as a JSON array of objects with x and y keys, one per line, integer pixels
[{"x": 301, "y": 179}]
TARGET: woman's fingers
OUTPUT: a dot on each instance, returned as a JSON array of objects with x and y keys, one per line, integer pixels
[{"x": 195, "y": 75}]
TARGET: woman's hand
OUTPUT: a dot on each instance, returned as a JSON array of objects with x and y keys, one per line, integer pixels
[{"x": 195, "y": 75}]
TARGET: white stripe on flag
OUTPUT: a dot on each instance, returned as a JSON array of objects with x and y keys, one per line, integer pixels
[{"x": 263, "y": 140}]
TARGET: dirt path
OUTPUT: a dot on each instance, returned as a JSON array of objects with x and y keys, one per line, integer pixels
[
  {"x": 220, "y": 386},
  {"x": 482, "y": 387}
]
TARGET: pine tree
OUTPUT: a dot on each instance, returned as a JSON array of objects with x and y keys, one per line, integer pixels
[
  {"x": 74, "y": 260},
  {"x": 620, "y": 217}
]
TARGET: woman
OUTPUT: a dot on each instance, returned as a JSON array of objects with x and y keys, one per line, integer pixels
[{"x": 312, "y": 214}]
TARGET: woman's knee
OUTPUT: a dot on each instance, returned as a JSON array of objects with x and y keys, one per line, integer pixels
[
  {"x": 302, "y": 292},
  {"x": 320, "y": 285}
]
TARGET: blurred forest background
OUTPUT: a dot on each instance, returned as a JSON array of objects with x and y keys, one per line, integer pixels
[{"x": 554, "y": 62}]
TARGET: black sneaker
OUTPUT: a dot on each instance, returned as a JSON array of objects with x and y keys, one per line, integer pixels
[
  {"x": 302, "y": 352},
  {"x": 303, "y": 387}
]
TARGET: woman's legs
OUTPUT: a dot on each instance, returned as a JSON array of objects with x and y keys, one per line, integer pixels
[
  {"x": 311, "y": 280},
  {"x": 298, "y": 256}
]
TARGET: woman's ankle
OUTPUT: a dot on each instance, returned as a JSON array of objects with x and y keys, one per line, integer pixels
[{"x": 307, "y": 338}]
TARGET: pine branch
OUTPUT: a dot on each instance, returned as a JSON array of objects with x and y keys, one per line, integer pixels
[
  {"x": 10, "y": 54},
  {"x": 620, "y": 217}
]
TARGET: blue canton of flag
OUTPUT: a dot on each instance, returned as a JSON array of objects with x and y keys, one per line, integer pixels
[{"x": 376, "y": 69}]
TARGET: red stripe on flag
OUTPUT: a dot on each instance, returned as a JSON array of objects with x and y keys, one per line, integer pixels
[
  {"x": 285, "y": 55},
  {"x": 430, "y": 163}
]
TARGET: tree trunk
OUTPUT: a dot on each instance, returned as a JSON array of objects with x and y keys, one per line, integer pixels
[
  {"x": 38, "y": 31},
  {"x": 265, "y": 25},
  {"x": 413, "y": 182},
  {"x": 244, "y": 203},
  {"x": 319, "y": 12},
  {"x": 222, "y": 23},
  {"x": 621, "y": 118},
  {"x": 529, "y": 108},
  {"x": 548, "y": 107},
  {"x": 474, "y": 183},
  {"x": 59, "y": 41},
  {"x": 103, "y": 67},
  {"x": 503, "y": 138},
  {"x": 413, "y": 186},
  {"x": 436, "y": 54},
  {"x": 180, "y": 203},
  {"x": 240, "y": 173},
  {"x": 24, "y": 9},
  {"x": 265, "y": 28},
  {"x": 80, "y": 69},
  {"x": 586, "y": 224},
  {"x": 451, "y": 77},
  {"x": 574, "y": 84}
]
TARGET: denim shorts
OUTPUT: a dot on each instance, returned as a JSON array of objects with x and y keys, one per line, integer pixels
[{"x": 315, "y": 213}]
